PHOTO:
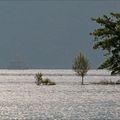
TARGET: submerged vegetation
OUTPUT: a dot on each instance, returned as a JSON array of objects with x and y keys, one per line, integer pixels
[{"x": 41, "y": 81}]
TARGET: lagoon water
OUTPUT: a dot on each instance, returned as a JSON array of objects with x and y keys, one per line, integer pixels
[{"x": 22, "y": 99}]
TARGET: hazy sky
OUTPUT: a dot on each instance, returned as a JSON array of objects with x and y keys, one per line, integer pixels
[{"x": 49, "y": 34}]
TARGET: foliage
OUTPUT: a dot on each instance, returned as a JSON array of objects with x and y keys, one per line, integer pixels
[
  {"x": 108, "y": 39},
  {"x": 81, "y": 65},
  {"x": 41, "y": 81},
  {"x": 38, "y": 78}
]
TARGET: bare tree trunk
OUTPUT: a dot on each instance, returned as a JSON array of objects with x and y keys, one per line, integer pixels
[{"x": 82, "y": 80}]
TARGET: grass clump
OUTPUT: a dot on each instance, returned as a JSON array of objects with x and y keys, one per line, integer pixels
[
  {"x": 52, "y": 83},
  {"x": 41, "y": 81},
  {"x": 107, "y": 82},
  {"x": 48, "y": 82},
  {"x": 118, "y": 82}
]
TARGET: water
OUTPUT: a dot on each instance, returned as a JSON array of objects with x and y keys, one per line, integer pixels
[{"x": 21, "y": 98}]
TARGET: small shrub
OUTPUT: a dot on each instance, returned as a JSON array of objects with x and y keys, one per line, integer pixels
[
  {"x": 38, "y": 78},
  {"x": 41, "y": 81},
  {"x": 81, "y": 66}
]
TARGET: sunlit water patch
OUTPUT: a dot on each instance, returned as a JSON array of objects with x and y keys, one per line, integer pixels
[{"x": 21, "y": 98}]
